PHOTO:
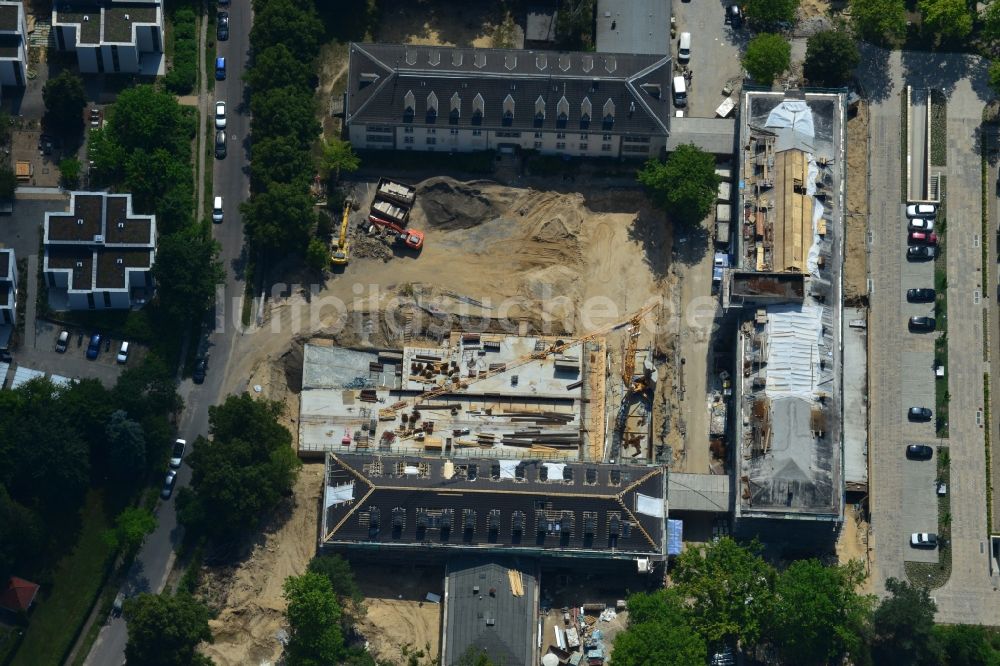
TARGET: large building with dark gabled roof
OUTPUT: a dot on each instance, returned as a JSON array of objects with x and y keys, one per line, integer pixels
[
  {"x": 457, "y": 99},
  {"x": 517, "y": 507}
]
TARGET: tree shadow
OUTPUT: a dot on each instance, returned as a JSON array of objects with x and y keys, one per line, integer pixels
[
  {"x": 873, "y": 74},
  {"x": 943, "y": 71},
  {"x": 651, "y": 230},
  {"x": 691, "y": 243}
]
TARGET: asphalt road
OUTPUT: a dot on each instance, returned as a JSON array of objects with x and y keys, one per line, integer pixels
[{"x": 231, "y": 180}]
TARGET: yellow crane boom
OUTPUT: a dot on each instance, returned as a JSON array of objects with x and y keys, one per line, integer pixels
[{"x": 341, "y": 253}]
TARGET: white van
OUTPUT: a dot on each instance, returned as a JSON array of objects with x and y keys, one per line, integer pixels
[
  {"x": 217, "y": 210},
  {"x": 680, "y": 92},
  {"x": 684, "y": 47}
]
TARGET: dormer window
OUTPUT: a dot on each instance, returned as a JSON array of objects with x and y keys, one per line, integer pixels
[
  {"x": 609, "y": 115},
  {"x": 508, "y": 111},
  {"x": 588, "y": 63},
  {"x": 585, "y": 110},
  {"x": 434, "y": 58},
  {"x": 539, "y": 111},
  {"x": 432, "y": 108},
  {"x": 479, "y": 60},
  {"x": 456, "y": 109},
  {"x": 456, "y": 59},
  {"x": 510, "y": 61},
  {"x": 478, "y": 109},
  {"x": 562, "y": 113},
  {"x": 409, "y": 106},
  {"x": 411, "y": 57}
]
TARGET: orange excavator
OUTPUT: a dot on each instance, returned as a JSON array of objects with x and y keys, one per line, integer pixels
[{"x": 411, "y": 238}]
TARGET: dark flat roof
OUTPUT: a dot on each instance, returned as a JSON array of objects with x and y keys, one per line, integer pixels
[
  {"x": 78, "y": 259},
  {"x": 118, "y": 21},
  {"x": 483, "y": 614},
  {"x": 10, "y": 46},
  {"x": 6, "y": 263},
  {"x": 133, "y": 229},
  {"x": 8, "y": 17},
  {"x": 111, "y": 265},
  {"x": 405, "y": 500},
  {"x": 81, "y": 223},
  {"x": 88, "y": 17}
]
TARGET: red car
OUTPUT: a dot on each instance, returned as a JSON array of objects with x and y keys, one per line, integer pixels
[{"x": 923, "y": 238}]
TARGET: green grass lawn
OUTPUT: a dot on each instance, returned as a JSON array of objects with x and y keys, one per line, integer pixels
[{"x": 61, "y": 611}]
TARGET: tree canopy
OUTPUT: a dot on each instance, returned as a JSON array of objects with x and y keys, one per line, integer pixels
[
  {"x": 879, "y": 21},
  {"x": 831, "y": 56},
  {"x": 189, "y": 261},
  {"x": 771, "y": 13},
  {"x": 659, "y": 632},
  {"x": 990, "y": 30},
  {"x": 338, "y": 571},
  {"x": 315, "y": 638},
  {"x": 64, "y": 100},
  {"x": 685, "y": 186},
  {"x": 949, "y": 20},
  {"x": 575, "y": 24},
  {"x": 294, "y": 24},
  {"x": 903, "y": 626},
  {"x": 126, "y": 448},
  {"x": 338, "y": 157},
  {"x": 131, "y": 527},
  {"x": 767, "y": 55},
  {"x": 165, "y": 630}
]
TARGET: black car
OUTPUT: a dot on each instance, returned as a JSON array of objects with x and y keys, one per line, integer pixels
[
  {"x": 222, "y": 30},
  {"x": 919, "y": 252},
  {"x": 922, "y": 324},
  {"x": 920, "y": 413},
  {"x": 220, "y": 145},
  {"x": 919, "y": 452},
  {"x": 734, "y": 16},
  {"x": 200, "y": 367},
  {"x": 920, "y": 295}
]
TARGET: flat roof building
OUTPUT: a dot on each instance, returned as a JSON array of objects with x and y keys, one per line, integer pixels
[
  {"x": 633, "y": 26},
  {"x": 111, "y": 36},
  {"x": 99, "y": 254},
  {"x": 13, "y": 45}
]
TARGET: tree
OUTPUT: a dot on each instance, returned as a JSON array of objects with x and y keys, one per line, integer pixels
[
  {"x": 279, "y": 220},
  {"x": 659, "y": 632},
  {"x": 313, "y": 614},
  {"x": 474, "y": 656},
  {"x": 831, "y": 57},
  {"x": 151, "y": 176},
  {"x": 338, "y": 571},
  {"x": 968, "y": 644},
  {"x": 950, "y": 20},
  {"x": 107, "y": 155},
  {"x": 188, "y": 261},
  {"x": 294, "y": 24},
  {"x": 165, "y": 630},
  {"x": 126, "y": 448},
  {"x": 730, "y": 589},
  {"x": 771, "y": 13},
  {"x": 337, "y": 157},
  {"x": 278, "y": 159},
  {"x": 317, "y": 255},
  {"x": 767, "y": 56},
  {"x": 69, "y": 171},
  {"x": 147, "y": 388},
  {"x": 21, "y": 535},
  {"x": 993, "y": 74},
  {"x": 131, "y": 527},
  {"x": 65, "y": 100},
  {"x": 879, "y": 21},
  {"x": 818, "y": 615},
  {"x": 276, "y": 66},
  {"x": 685, "y": 186},
  {"x": 990, "y": 30},
  {"x": 575, "y": 24},
  {"x": 146, "y": 118},
  {"x": 903, "y": 626},
  {"x": 285, "y": 112}
]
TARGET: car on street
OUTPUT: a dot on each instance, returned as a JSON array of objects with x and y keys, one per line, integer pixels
[
  {"x": 217, "y": 210},
  {"x": 177, "y": 454},
  {"x": 220, "y": 115},
  {"x": 220, "y": 145},
  {"x": 923, "y": 238},
  {"x": 222, "y": 29},
  {"x": 921, "y": 224},
  {"x": 920, "y": 252},
  {"x": 922, "y": 295},
  {"x": 168, "y": 484},
  {"x": 921, "y": 210},
  {"x": 200, "y": 368},
  {"x": 920, "y": 413},
  {"x": 62, "y": 342},
  {"x": 684, "y": 48},
  {"x": 94, "y": 347},
  {"x": 923, "y": 540},
  {"x": 123, "y": 352},
  {"x": 919, "y": 452},
  {"x": 734, "y": 16},
  {"x": 220, "y": 69},
  {"x": 922, "y": 323}
]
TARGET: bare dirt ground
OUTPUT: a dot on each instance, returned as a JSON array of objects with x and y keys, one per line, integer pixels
[
  {"x": 856, "y": 256},
  {"x": 399, "y": 622},
  {"x": 441, "y": 23},
  {"x": 852, "y": 544},
  {"x": 248, "y": 597}
]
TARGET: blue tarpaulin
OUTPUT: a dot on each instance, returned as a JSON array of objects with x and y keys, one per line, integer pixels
[{"x": 675, "y": 533}]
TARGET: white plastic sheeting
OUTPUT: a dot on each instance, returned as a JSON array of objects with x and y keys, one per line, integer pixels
[
  {"x": 338, "y": 494},
  {"x": 554, "y": 470},
  {"x": 649, "y": 506},
  {"x": 507, "y": 468},
  {"x": 793, "y": 350},
  {"x": 59, "y": 380},
  {"x": 25, "y": 375}
]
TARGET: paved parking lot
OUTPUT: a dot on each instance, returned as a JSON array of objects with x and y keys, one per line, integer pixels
[
  {"x": 917, "y": 386},
  {"x": 715, "y": 53},
  {"x": 20, "y": 229},
  {"x": 919, "y": 504}
]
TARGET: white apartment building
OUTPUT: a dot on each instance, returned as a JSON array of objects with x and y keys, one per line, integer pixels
[{"x": 111, "y": 36}]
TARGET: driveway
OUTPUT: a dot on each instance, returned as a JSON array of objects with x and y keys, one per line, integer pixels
[{"x": 715, "y": 53}]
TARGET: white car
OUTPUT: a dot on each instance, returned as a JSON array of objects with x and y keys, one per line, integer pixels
[
  {"x": 177, "y": 455},
  {"x": 220, "y": 115},
  {"x": 921, "y": 210},
  {"x": 921, "y": 224},
  {"x": 123, "y": 353},
  {"x": 923, "y": 540},
  {"x": 217, "y": 209}
]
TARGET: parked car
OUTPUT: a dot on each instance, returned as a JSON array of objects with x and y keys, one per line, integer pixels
[
  {"x": 921, "y": 210},
  {"x": 920, "y": 413},
  {"x": 220, "y": 145},
  {"x": 922, "y": 324},
  {"x": 220, "y": 115},
  {"x": 220, "y": 69},
  {"x": 177, "y": 454},
  {"x": 94, "y": 347},
  {"x": 919, "y": 452},
  {"x": 222, "y": 28},
  {"x": 923, "y": 238},
  {"x": 923, "y": 540},
  {"x": 62, "y": 342},
  {"x": 734, "y": 16},
  {"x": 217, "y": 209},
  {"x": 923, "y": 295},
  {"x": 123, "y": 352},
  {"x": 118, "y": 605},
  {"x": 200, "y": 368},
  {"x": 168, "y": 485},
  {"x": 920, "y": 252},
  {"x": 921, "y": 224},
  {"x": 684, "y": 47}
]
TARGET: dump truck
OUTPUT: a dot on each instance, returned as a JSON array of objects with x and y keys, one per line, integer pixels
[
  {"x": 387, "y": 210},
  {"x": 341, "y": 253},
  {"x": 397, "y": 192}
]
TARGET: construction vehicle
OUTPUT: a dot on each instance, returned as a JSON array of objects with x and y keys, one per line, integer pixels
[
  {"x": 633, "y": 322},
  {"x": 411, "y": 238},
  {"x": 341, "y": 253},
  {"x": 397, "y": 192}
]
